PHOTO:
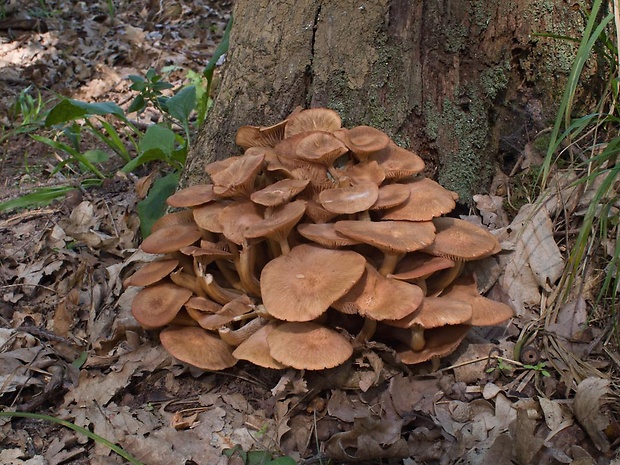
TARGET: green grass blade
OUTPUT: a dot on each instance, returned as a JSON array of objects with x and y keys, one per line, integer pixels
[
  {"x": 78, "y": 429},
  {"x": 590, "y": 36}
]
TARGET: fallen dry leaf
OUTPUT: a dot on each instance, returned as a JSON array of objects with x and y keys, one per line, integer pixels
[{"x": 587, "y": 409}]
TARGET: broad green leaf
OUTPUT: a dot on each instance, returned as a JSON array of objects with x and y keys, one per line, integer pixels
[
  {"x": 154, "y": 205},
  {"x": 137, "y": 104},
  {"x": 283, "y": 461},
  {"x": 96, "y": 156},
  {"x": 145, "y": 157},
  {"x": 181, "y": 105},
  {"x": 158, "y": 137},
  {"x": 70, "y": 110},
  {"x": 258, "y": 457}
]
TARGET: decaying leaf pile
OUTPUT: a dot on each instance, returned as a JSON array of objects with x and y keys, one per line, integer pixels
[{"x": 315, "y": 241}]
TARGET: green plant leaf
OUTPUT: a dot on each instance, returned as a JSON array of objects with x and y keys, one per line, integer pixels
[
  {"x": 70, "y": 110},
  {"x": 221, "y": 49},
  {"x": 283, "y": 461},
  {"x": 258, "y": 457},
  {"x": 181, "y": 105},
  {"x": 37, "y": 198},
  {"x": 37, "y": 416},
  {"x": 154, "y": 205},
  {"x": 158, "y": 137},
  {"x": 96, "y": 156},
  {"x": 137, "y": 104}
]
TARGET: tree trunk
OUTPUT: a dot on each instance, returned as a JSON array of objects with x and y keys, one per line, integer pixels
[{"x": 465, "y": 83}]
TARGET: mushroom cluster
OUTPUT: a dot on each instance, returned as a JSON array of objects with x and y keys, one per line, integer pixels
[{"x": 316, "y": 240}]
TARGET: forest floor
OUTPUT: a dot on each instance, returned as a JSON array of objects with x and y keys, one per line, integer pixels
[{"x": 69, "y": 347}]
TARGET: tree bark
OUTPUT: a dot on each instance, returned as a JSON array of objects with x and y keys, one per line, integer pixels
[{"x": 465, "y": 83}]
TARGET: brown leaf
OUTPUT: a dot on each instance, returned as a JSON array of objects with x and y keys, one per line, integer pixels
[{"x": 587, "y": 409}]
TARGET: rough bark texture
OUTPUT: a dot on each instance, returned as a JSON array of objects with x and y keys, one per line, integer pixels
[{"x": 463, "y": 82}]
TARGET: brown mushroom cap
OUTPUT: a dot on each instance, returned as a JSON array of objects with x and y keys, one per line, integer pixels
[
  {"x": 346, "y": 200},
  {"x": 398, "y": 163},
  {"x": 314, "y": 119},
  {"x": 156, "y": 306},
  {"x": 308, "y": 346},
  {"x": 391, "y": 195},
  {"x": 436, "y": 311},
  {"x": 240, "y": 306},
  {"x": 361, "y": 172},
  {"x": 207, "y": 216},
  {"x": 325, "y": 234},
  {"x": 486, "y": 312},
  {"x": 427, "y": 200},
  {"x": 393, "y": 236},
  {"x": 461, "y": 240},
  {"x": 237, "y": 180},
  {"x": 419, "y": 264},
  {"x": 256, "y": 136},
  {"x": 440, "y": 342},
  {"x": 173, "y": 219},
  {"x": 151, "y": 272},
  {"x": 171, "y": 238},
  {"x": 364, "y": 140},
  {"x": 279, "y": 192},
  {"x": 236, "y": 217},
  {"x": 197, "y": 347},
  {"x": 191, "y": 196},
  {"x": 279, "y": 224},
  {"x": 302, "y": 285},
  {"x": 255, "y": 349},
  {"x": 319, "y": 147},
  {"x": 380, "y": 298}
]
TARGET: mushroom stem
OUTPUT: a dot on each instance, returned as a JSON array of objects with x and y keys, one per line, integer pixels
[
  {"x": 367, "y": 331},
  {"x": 412, "y": 337},
  {"x": 247, "y": 257},
  {"x": 230, "y": 275},
  {"x": 284, "y": 247},
  {"x": 390, "y": 260},
  {"x": 185, "y": 280},
  {"x": 216, "y": 292},
  {"x": 443, "y": 279},
  {"x": 234, "y": 337}
]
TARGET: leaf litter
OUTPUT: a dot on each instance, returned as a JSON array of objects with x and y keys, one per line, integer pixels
[{"x": 70, "y": 347}]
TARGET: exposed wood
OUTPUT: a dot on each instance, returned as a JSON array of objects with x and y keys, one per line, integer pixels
[{"x": 462, "y": 82}]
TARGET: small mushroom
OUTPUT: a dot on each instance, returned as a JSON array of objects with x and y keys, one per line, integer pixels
[
  {"x": 363, "y": 141},
  {"x": 237, "y": 180},
  {"x": 256, "y": 136},
  {"x": 156, "y": 306},
  {"x": 427, "y": 200},
  {"x": 440, "y": 342},
  {"x": 461, "y": 240},
  {"x": 151, "y": 273},
  {"x": 278, "y": 226},
  {"x": 486, "y": 312},
  {"x": 308, "y": 346},
  {"x": 391, "y": 237},
  {"x": 397, "y": 163},
  {"x": 173, "y": 219},
  {"x": 325, "y": 234},
  {"x": 302, "y": 284},
  {"x": 192, "y": 196},
  {"x": 315, "y": 119},
  {"x": 171, "y": 238},
  {"x": 347, "y": 200},
  {"x": 197, "y": 347},
  {"x": 255, "y": 349},
  {"x": 279, "y": 192}
]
